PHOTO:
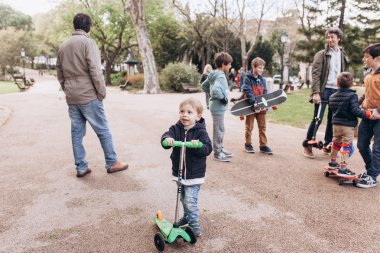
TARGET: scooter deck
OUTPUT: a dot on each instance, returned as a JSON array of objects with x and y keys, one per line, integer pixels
[
  {"x": 164, "y": 225},
  {"x": 169, "y": 232},
  {"x": 341, "y": 180}
]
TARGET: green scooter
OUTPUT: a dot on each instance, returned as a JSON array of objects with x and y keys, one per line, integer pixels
[{"x": 170, "y": 232}]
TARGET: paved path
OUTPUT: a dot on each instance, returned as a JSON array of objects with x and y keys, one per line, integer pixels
[{"x": 256, "y": 203}]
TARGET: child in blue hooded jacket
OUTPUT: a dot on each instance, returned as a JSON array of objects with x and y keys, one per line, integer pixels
[{"x": 218, "y": 86}]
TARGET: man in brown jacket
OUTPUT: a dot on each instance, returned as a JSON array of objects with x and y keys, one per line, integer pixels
[
  {"x": 327, "y": 64},
  {"x": 80, "y": 75}
]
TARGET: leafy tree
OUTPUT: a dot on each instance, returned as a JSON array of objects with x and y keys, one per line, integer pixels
[
  {"x": 13, "y": 18},
  {"x": 166, "y": 38},
  {"x": 112, "y": 30}
]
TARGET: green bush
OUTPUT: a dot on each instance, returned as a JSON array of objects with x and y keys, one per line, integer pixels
[
  {"x": 176, "y": 73},
  {"x": 116, "y": 79}
]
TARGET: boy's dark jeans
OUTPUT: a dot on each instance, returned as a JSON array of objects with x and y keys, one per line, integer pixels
[
  {"x": 329, "y": 132},
  {"x": 367, "y": 130}
]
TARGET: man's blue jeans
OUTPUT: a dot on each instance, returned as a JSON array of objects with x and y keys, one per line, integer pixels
[
  {"x": 93, "y": 112},
  {"x": 189, "y": 199},
  {"x": 367, "y": 130},
  {"x": 329, "y": 131}
]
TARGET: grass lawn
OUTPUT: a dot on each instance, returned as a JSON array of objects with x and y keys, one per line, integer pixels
[
  {"x": 8, "y": 87},
  {"x": 296, "y": 111}
]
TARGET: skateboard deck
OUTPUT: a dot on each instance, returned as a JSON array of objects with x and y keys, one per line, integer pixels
[
  {"x": 341, "y": 180},
  {"x": 263, "y": 102}
]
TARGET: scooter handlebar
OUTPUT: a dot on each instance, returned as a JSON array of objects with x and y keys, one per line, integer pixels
[{"x": 187, "y": 144}]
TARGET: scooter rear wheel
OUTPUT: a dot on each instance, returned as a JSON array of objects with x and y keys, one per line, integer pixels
[
  {"x": 190, "y": 232},
  {"x": 159, "y": 241}
]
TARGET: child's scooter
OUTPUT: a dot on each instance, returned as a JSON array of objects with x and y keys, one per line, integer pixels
[
  {"x": 313, "y": 142},
  {"x": 170, "y": 232}
]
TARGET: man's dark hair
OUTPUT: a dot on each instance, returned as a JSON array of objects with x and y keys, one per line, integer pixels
[
  {"x": 373, "y": 50},
  {"x": 82, "y": 22},
  {"x": 334, "y": 30},
  {"x": 345, "y": 80},
  {"x": 222, "y": 58}
]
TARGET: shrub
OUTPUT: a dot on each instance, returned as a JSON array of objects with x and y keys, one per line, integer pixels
[
  {"x": 116, "y": 79},
  {"x": 137, "y": 80},
  {"x": 176, "y": 73}
]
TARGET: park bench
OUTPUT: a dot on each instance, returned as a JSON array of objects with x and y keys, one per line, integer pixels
[
  {"x": 189, "y": 87},
  {"x": 124, "y": 86},
  {"x": 20, "y": 82}
]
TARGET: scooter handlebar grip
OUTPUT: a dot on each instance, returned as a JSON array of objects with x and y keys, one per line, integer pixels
[{"x": 188, "y": 144}]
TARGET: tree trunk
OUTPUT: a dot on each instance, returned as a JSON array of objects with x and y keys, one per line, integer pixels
[
  {"x": 107, "y": 72},
  {"x": 136, "y": 10},
  {"x": 341, "y": 17}
]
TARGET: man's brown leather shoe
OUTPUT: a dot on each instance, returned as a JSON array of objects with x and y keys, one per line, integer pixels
[
  {"x": 118, "y": 166},
  {"x": 88, "y": 171}
]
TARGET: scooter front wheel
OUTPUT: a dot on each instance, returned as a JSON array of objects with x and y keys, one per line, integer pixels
[
  {"x": 159, "y": 241},
  {"x": 190, "y": 232}
]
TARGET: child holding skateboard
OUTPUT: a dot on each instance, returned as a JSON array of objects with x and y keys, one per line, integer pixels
[
  {"x": 345, "y": 109},
  {"x": 217, "y": 84},
  {"x": 254, "y": 85},
  {"x": 370, "y": 128},
  {"x": 190, "y": 127}
]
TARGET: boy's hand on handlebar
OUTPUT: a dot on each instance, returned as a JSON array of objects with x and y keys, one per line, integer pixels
[
  {"x": 195, "y": 142},
  {"x": 170, "y": 141}
]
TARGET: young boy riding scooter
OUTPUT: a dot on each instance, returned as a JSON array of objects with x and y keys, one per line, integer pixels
[{"x": 190, "y": 127}]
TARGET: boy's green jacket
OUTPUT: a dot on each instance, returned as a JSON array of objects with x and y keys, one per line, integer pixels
[{"x": 216, "y": 84}]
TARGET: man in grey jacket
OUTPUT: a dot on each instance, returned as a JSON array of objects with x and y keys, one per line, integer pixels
[
  {"x": 327, "y": 65},
  {"x": 80, "y": 75}
]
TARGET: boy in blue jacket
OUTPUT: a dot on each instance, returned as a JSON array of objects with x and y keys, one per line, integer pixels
[
  {"x": 190, "y": 127},
  {"x": 255, "y": 85},
  {"x": 345, "y": 109},
  {"x": 217, "y": 85}
]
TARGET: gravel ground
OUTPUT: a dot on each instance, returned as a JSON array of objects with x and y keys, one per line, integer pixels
[{"x": 256, "y": 203}]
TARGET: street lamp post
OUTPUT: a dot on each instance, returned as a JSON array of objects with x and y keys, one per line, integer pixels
[
  {"x": 284, "y": 38},
  {"x": 23, "y": 60}
]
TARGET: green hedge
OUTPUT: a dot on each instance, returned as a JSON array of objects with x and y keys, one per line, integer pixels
[{"x": 176, "y": 73}]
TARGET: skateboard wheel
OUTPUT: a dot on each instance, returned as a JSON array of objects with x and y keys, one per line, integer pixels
[
  {"x": 320, "y": 145},
  {"x": 159, "y": 241},
  {"x": 327, "y": 174},
  {"x": 159, "y": 215},
  {"x": 340, "y": 182}
]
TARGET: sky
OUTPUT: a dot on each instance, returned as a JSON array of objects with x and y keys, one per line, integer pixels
[{"x": 31, "y": 7}]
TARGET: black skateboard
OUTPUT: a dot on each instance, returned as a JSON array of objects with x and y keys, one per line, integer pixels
[{"x": 263, "y": 102}]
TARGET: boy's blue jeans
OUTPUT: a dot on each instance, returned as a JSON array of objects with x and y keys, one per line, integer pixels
[
  {"x": 367, "y": 130},
  {"x": 93, "y": 112},
  {"x": 189, "y": 199}
]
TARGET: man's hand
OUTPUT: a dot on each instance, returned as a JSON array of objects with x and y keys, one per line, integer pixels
[
  {"x": 316, "y": 98},
  {"x": 170, "y": 141},
  {"x": 101, "y": 97},
  {"x": 374, "y": 114}
]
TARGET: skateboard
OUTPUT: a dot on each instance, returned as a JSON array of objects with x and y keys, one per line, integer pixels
[
  {"x": 341, "y": 180},
  {"x": 263, "y": 102}
]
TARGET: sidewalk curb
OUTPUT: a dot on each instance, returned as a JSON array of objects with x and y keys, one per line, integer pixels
[{"x": 5, "y": 112}]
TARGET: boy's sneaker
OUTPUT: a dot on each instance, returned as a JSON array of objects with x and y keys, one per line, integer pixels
[
  {"x": 308, "y": 152},
  {"x": 366, "y": 182},
  {"x": 345, "y": 172},
  {"x": 326, "y": 149},
  {"x": 221, "y": 157},
  {"x": 181, "y": 223},
  {"x": 228, "y": 154},
  {"x": 334, "y": 165},
  {"x": 197, "y": 231},
  {"x": 249, "y": 148},
  {"x": 266, "y": 150}
]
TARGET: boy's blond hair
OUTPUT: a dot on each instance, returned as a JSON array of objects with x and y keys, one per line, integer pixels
[
  {"x": 257, "y": 62},
  {"x": 193, "y": 102}
]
